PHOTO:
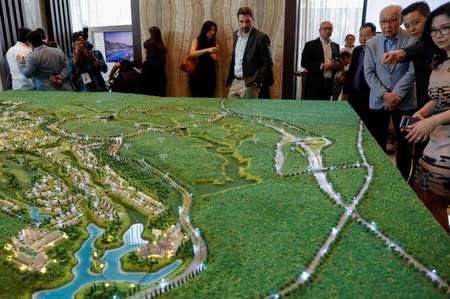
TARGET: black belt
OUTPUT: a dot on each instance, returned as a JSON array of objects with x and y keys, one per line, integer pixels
[{"x": 237, "y": 78}]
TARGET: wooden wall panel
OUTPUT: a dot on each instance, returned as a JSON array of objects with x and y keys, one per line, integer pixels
[{"x": 180, "y": 22}]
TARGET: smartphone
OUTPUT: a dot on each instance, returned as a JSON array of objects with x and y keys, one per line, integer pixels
[{"x": 408, "y": 120}]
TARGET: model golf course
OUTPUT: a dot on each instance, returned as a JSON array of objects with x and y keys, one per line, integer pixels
[{"x": 107, "y": 195}]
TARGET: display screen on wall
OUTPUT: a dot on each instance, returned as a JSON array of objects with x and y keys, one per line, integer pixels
[
  {"x": 118, "y": 46},
  {"x": 375, "y": 6}
]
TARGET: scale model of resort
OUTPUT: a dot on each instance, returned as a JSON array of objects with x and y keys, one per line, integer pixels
[{"x": 110, "y": 195}]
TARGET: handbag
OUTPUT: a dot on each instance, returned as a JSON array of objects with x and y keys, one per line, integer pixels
[{"x": 189, "y": 64}]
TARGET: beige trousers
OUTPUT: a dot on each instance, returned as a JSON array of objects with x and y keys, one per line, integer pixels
[{"x": 238, "y": 90}]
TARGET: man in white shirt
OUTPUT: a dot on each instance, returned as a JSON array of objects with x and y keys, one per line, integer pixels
[
  {"x": 251, "y": 64},
  {"x": 320, "y": 57},
  {"x": 19, "y": 81}
]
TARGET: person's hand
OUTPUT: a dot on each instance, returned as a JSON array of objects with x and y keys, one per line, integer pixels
[
  {"x": 391, "y": 101},
  {"x": 393, "y": 57},
  {"x": 421, "y": 130},
  {"x": 58, "y": 81},
  {"x": 79, "y": 47},
  {"x": 213, "y": 52},
  {"x": 332, "y": 65},
  {"x": 341, "y": 79}
]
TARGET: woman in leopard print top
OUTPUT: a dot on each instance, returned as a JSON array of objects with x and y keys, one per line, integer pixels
[{"x": 432, "y": 177}]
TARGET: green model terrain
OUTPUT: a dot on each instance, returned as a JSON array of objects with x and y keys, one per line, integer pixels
[{"x": 254, "y": 196}]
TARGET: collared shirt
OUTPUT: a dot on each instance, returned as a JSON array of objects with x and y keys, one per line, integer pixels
[
  {"x": 19, "y": 81},
  {"x": 390, "y": 44},
  {"x": 327, "y": 55},
  {"x": 239, "y": 53}
]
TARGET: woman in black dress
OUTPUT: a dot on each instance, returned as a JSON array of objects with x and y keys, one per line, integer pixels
[
  {"x": 153, "y": 77},
  {"x": 202, "y": 83}
]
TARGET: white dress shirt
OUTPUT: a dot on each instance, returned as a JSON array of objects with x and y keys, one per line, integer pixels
[
  {"x": 239, "y": 53},
  {"x": 327, "y": 55}
]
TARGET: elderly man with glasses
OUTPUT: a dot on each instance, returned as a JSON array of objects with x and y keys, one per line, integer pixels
[{"x": 392, "y": 87}]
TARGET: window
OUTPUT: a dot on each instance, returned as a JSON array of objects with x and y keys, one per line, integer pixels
[
  {"x": 346, "y": 16},
  {"x": 88, "y": 13}
]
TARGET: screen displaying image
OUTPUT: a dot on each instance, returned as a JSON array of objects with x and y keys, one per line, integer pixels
[{"x": 118, "y": 46}]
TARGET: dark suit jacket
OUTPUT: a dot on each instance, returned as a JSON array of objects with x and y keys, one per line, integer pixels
[
  {"x": 363, "y": 87},
  {"x": 312, "y": 58},
  {"x": 257, "y": 63},
  {"x": 422, "y": 57}
]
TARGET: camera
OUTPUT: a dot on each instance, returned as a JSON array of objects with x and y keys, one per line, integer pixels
[
  {"x": 407, "y": 121},
  {"x": 88, "y": 45}
]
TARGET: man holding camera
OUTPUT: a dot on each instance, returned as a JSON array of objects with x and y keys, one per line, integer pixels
[
  {"x": 320, "y": 57},
  {"x": 86, "y": 65}
]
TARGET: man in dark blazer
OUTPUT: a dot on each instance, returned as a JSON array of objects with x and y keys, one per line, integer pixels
[
  {"x": 356, "y": 90},
  {"x": 251, "y": 63},
  {"x": 320, "y": 58}
]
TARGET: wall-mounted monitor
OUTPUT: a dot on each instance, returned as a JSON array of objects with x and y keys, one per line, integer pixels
[{"x": 118, "y": 45}]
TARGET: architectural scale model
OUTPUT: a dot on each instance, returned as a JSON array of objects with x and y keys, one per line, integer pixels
[{"x": 107, "y": 195}]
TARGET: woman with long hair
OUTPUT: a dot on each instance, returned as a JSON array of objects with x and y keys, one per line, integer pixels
[
  {"x": 202, "y": 82},
  {"x": 432, "y": 177},
  {"x": 153, "y": 76}
]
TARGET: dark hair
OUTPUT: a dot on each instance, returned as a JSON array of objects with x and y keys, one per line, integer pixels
[
  {"x": 203, "y": 41},
  {"x": 440, "y": 55},
  {"x": 245, "y": 11},
  {"x": 350, "y": 35},
  {"x": 154, "y": 45},
  {"x": 345, "y": 54},
  {"x": 35, "y": 38},
  {"x": 22, "y": 34},
  {"x": 42, "y": 32},
  {"x": 77, "y": 34},
  {"x": 421, "y": 7},
  {"x": 370, "y": 25},
  {"x": 126, "y": 66},
  {"x": 155, "y": 34}
]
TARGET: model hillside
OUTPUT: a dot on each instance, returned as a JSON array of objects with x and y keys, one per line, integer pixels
[{"x": 105, "y": 194}]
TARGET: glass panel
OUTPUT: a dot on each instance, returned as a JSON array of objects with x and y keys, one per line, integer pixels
[
  {"x": 87, "y": 13},
  {"x": 346, "y": 16}
]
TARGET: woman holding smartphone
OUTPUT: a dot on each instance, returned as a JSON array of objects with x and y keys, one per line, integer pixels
[
  {"x": 202, "y": 82},
  {"x": 432, "y": 177}
]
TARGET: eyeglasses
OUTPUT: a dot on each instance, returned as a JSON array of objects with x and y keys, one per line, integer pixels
[
  {"x": 444, "y": 30},
  {"x": 390, "y": 21},
  {"x": 327, "y": 28}
]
